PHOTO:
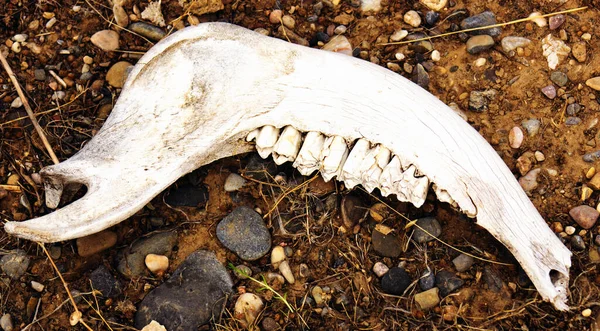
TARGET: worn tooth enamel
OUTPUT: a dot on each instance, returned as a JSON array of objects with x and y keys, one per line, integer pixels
[
  {"x": 351, "y": 172},
  {"x": 287, "y": 146},
  {"x": 390, "y": 174},
  {"x": 411, "y": 187},
  {"x": 252, "y": 135},
  {"x": 373, "y": 165},
  {"x": 266, "y": 139},
  {"x": 333, "y": 156},
  {"x": 443, "y": 195},
  {"x": 308, "y": 159}
]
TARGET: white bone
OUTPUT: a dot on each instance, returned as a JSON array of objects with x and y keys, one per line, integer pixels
[
  {"x": 308, "y": 159},
  {"x": 286, "y": 148},
  {"x": 411, "y": 187},
  {"x": 351, "y": 171},
  {"x": 389, "y": 176},
  {"x": 333, "y": 156},
  {"x": 443, "y": 196},
  {"x": 374, "y": 163},
  {"x": 266, "y": 139},
  {"x": 252, "y": 135},
  {"x": 176, "y": 113}
]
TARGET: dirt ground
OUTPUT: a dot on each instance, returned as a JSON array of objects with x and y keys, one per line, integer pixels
[{"x": 336, "y": 257}]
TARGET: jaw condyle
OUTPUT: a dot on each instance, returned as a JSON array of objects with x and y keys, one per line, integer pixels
[{"x": 209, "y": 91}]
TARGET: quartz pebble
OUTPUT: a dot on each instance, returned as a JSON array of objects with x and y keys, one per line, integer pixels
[
  {"x": 16, "y": 103},
  {"x": 537, "y": 18},
  {"x": 412, "y": 18},
  {"x": 539, "y": 156},
  {"x": 157, "y": 264},
  {"x": 107, "y": 40},
  {"x": 555, "y": 50},
  {"x": 16, "y": 47},
  {"x": 234, "y": 182},
  {"x": 436, "y": 56},
  {"x": 380, "y": 269},
  {"x": 515, "y": 137},
  {"x": 398, "y": 35},
  {"x": 154, "y": 326},
  {"x": 511, "y": 43},
  {"x": 370, "y": 5},
  {"x": 436, "y": 5},
  {"x": 585, "y": 216},
  {"x": 570, "y": 230},
  {"x": 529, "y": 181},
  {"x": 480, "y": 62},
  {"x": 37, "y": 286}
]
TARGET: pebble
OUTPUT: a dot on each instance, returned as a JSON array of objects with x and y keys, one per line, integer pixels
[
  {"x": 154, "y": 326},
  {"x": 132, "y": 260},
  {"x": 103, "y": 281},
  {"x": 436, "y": 56},
  {"x": 580, "y": 51},
  {"x": 380, "y": 269},
  {"x": 586, "y": 312},
  {"x": 15, "y": 263},
  {"x": 341, "y": 29},
  {"x": 431, "y": 17},
  {"x": 275, "y": 16},
  {"x": 529, "y": 181},
  {"x": 387, "y": 245},
  {"x": 436, "y": 5},
  {"x": 121, "y": 17},
  {"x": 480, "y": 62},
  {"x": 429, "y": 224},
  {"x": 571, "y": 121},
  {"x": 247, "y": 307},
  {"x": 428, "y": 299},
  {"x": 479, "y": 43},
  {"x": 149, "y": 31},
  {"x": 420, "y": 76},
  {"x": 549, "y": 91},
  {"x": 537, "y": 19},
  {"x": 37, "y": 286},
  {"x": 592, "y": 156},
  {"x": 398, "y": 35},
  {"x": 594, "y": 83},
  {"x": 234, "y": 182},
  {"x": 570, "y": 230},
  {"x": 107, "y": 40},
  {"x": 577, "y": 243},
  {"x": 51, "y": 23},
  {"x": 317, "y": 294},
  {"x": 463, "y": 262},
  {"x": 559, "y": 78},
  {"x": 412, "y": 18},
  {"x": 6, "y": 322},
  {"x": 555, "y": 50},
  {"x": 16, "y": 47},
  {"x": 427, "y": 280},
  {"x": 187, "y": 195},
  {"x": 492, "y": 280},
  {"x": 21, "y": 37},
  {"x": 270, "y": 324},
  {"x": 511, "y": 43},
  {"x": 244, "y": 232},
  {"x": 586, "y": 36},
  {"x": 339, "y": 44},
  {"x": 288, "y": 22},
  {"x": 573, "y": 109},
  {"x": 370, "y": 5},
  {"x": 353, "y": 210},
  {"x": 117, "y": 74},
  {"x": 595, "y": 181},
  {"x": 395, "y": 282},
  {"x": 16, "y": 103},
  {"x": 195, "y": 293},
  {"x": 585, "y": 216},
  {"x": 483, "y": 19},
  {"x": 478, "y": 100},
  {"x": 96, "y": 243},
  {"x": 40, "y": 74},
  {"x": 157, "y": 264},
  {"x": 515, "y": 137},
  {"x": 532, "y": 126},
  {"x": 447, "y": 282},
  {"x": 556, "y": 21}
]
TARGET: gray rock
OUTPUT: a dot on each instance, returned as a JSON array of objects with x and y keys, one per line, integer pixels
[
  {"x": 234, "y": 182},
  {"x": 592, "y": 156},
  {"x": 532, "y": 126},
  {"x": 395, "y": 281},
  {"x": 559, "y": 78},
  {"x": 577, "y": 243},
  {"x": 244, "y": 232},
  {"x": 427, "y": 280},
  {"x": 103, "y": 281},
  {"x": 149, "y": 31},
  {"x": 193, "y": 296},
  {"x": 431, "y": 17},
  {"x": 420, "y": 76},
  {"x": 386, "y": 245},
  {"x": 554, "y": 22},
  {"x": 511, "y": 43},
  {"x": 573, "y": 109},
  {"x": 483, "y": 19},
  {"x": 480, "y": 43},
  {"x": 132, "y": 259},
  {"x": 447, "y": 282},
  {"x": 463, "y": 262},
  {"x": 429, "y": 224},
  {"x": 493, "y": 281},
  {"x": 478, "y": 100},
  {"x": 40, "y": 74},
  {"x": 86, "y": 76},
  {"x": 571, "y": 121},
  {"x": 15, "y": 263}
]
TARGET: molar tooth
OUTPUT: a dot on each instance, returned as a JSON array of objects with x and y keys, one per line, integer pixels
[
  {"x": 351, "y": 172},
  {"x": 443, "y": 195},
  {"x": 252, "y": 135},
  {"x": 390, "y": 174},
  {"x": 286, "y": 148},
  {"x": 308, "y": 159},
  {"x": 373, "y": 165},
  {"x": 412, "y": 188},
  {"x": 266, "y": 139},
  {"x": 333, "y": 156}
]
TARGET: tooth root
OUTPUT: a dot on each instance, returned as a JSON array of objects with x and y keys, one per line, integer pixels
[
  {"x": 373, "y": 166},
  {"x": 308, "y": 159},
  {"x": 333, "y": 156},
  {"x": 351, "y": 172},
  {"x": 391, "y": 173},
  {"x": 412, "y": 188},
  {"x": 286, "y": 148},
  {"x": 252, "y": 135},
  {"x": 266, "y": 139}
]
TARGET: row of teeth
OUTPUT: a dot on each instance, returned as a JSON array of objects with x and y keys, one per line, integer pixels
[{"x": 353, "y": 162}]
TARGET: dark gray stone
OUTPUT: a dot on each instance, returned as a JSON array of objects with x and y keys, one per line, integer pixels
[
  {"x": 244, "y": 232},
  {"x": 493, "y": 281},
  {"x": 480, "y": 20},
  {"x": 15, "y": 263},
  {"x": 463, "y": 262},
  {"x": 103, "y": 281},
  {"x": 187, "y": 195},
  {"x": 592, "y": 156},
  {"x": 395, "y": 281},
  {"x": 429, "y": 224},
  {"x": 559, "y": 78},
  {"x": 149, "y": 31},
  {"x": 260, "y": 169},
  {"x": 195, "y": 293},
  {"x": 573, "y": 109},
  {"x": 431, "y": 17},
  {"x": 40, "y": 74},
  {"x": 427, "y": 280},
  {"x": 571, "y": 121},
  {"x": 386, "y": 245},
  {"x": 577, "y": 243},
  {"x": 447, "y": 282},
  {"x": 420, "y": 76},
  {"x": 132, "y": 261}
]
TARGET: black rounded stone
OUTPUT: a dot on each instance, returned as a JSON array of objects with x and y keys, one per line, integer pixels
[{"x": 395, "y": 281}]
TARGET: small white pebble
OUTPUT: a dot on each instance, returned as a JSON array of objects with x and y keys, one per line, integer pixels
[
  {"x": 570, "y": 230},
  {"x": 16, "y": 47},
  {"x": 16, "y": 103},
  {"x": 515, "y": 137},
  {"x": 539, "y": 156},
  {"x": 340, "y": 29},
  {"x": 586, "y": 312},
  {"x": 234, "y": 182},
  {"x": 436, "y": 56},
  {"x": 21, "y": 37},
  {"x": 586, "y": 36},
  {"x": 412, "y": 18},
  {"x": 398, "y": 35},
  {"x": 76, "y": 8},
  {"x": 380, "y": 269},
  {"x": 540, "y": 21},
  {"x": 480, "y": 62},
  {"x": 51, "y": 23},
  {"x": 400, "y": 56},
  {"x": 85, "y": 68},
  {"x": 157, "y": 264},
  {"x": 37, "y": 286}
]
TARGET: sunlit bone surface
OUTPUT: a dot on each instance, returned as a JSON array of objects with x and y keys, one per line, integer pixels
[{"x": 195, "y": 96}]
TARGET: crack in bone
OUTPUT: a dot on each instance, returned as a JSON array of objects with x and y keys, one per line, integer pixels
[
  {"x": 374, "y": 163},
  {"x": 309, "y": 157},
  {"x": 266, "y": 139},
  {"x": 286, "y": 148}
]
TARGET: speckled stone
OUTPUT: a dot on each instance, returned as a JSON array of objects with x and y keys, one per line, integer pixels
[{"x": 244, "y": 232}]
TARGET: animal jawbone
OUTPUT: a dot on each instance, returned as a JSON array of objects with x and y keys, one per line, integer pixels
[{"x": 199, "y": 94}]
